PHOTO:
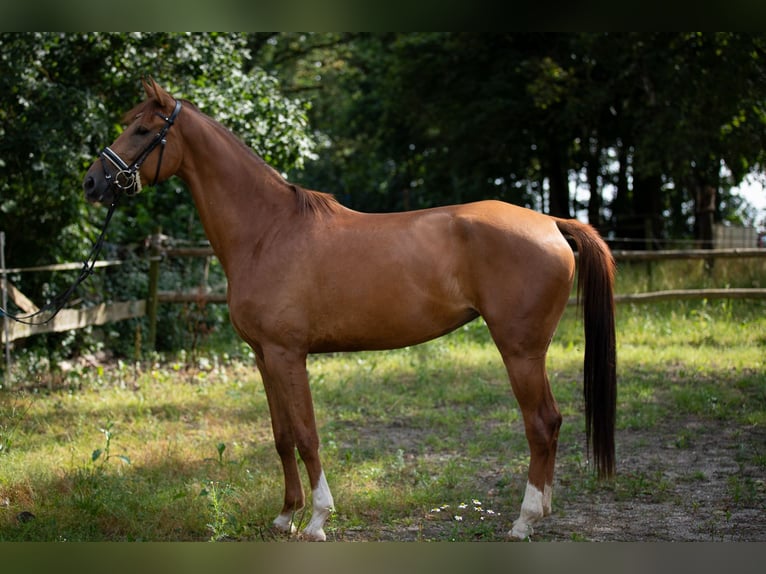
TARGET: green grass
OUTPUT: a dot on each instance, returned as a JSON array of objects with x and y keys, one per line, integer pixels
[{"x": 422, "y": 443}]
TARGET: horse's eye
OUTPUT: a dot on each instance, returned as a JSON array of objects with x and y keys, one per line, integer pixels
[{"x": 141, "y": 130}]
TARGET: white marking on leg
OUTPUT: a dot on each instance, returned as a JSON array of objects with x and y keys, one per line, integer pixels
[
  {"x": 284, "y": 522},
  {"x": 531, "y": 512},
  {"x": 322, "y": 506},
  {"x": 547, "y": 499}
]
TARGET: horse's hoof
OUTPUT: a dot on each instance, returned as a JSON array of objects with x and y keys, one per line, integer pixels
[
  {"x": 284, "y": 523},
  {"x": 317, "y": 535},
  {"x": 520, "y": 531}
]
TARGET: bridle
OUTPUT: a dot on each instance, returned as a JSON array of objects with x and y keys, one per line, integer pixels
[{"x": 126, "y": 178}]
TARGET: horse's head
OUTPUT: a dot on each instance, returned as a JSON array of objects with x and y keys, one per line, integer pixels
[{"x": 142, "y": 154}]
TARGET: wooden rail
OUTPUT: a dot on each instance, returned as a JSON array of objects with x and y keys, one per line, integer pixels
[
  {"x": 71, "y": 319},
  {"x": 190, "y": 297},
  {"x": 686, "y": 294},
  {"x": 668, "y": 255}
]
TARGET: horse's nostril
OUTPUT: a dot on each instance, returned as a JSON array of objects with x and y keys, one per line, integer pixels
[{"x": 89, "y": 183}]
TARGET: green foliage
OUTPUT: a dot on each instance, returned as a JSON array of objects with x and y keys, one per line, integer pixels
[
  {"x": 61, "y": 98},
  {"x": 420, "y": 119}
]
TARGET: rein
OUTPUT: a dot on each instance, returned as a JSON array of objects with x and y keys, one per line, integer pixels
[
  {"x": 58, "y": 302},
  {"x": 125, "y": 180}
]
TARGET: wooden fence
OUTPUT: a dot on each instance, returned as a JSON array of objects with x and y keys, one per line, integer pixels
[
  {"x": 69, "y": 319},
  {"x": 688, "y": 254}
]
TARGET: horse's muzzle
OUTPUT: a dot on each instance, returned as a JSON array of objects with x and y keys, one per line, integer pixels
[{"x": 97, "y": 188}]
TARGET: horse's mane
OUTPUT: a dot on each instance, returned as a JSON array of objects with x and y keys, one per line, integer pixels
[{"x": 308, "y": 201}]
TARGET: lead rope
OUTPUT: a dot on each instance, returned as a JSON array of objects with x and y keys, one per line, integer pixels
[{"x": 58, "y": 302}]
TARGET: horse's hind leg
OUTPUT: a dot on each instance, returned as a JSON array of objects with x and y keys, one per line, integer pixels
[
  {"x": 542, "y": 421},
  {"x": 288, "y": 380}
]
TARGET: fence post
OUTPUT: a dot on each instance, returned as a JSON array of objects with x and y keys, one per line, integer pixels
[
  {"x": 6, "y": 326},
  {"x": 154, "y": 280}
]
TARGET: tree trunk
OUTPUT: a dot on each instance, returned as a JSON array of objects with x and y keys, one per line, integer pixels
[
  {"x": 558, "y": 184},
  {"x": 705, "y": 200},
  {"x": 595, "y": 202},
  {"x": 622, "y": 211},
  {"x": 647, "y": 206}
]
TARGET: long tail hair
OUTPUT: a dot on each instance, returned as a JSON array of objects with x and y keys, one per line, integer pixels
[{"x": 595, "y": 292}]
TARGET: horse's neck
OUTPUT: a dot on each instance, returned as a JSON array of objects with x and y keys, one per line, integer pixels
[{"x": 238, "y": 196}]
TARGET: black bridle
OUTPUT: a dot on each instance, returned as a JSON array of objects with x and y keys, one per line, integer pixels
[{"x": 126, "y": 180}]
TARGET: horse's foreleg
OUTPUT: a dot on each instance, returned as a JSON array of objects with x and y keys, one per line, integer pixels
[
  {"x": 291, "y": 386},
  {"x": 541, "y": 423},
  {"x": 285, "y": 445}
]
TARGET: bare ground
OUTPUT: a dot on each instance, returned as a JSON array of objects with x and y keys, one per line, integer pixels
[
  {"x": 707, "y": 488},
  {"x": 694, "y": 480}
]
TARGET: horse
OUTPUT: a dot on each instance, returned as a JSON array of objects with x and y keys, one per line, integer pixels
[{"x": 308, "y": 275}]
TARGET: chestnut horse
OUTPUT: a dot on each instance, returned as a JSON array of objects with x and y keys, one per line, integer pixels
[{"x": 307, "y": 275}]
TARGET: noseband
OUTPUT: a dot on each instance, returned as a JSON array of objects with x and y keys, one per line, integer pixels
[{"x": 126, "y": 178}]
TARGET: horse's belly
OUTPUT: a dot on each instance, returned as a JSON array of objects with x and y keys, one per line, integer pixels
[
  {"x": 354, "y": 332},
  {"x": 404, "y": 310}
]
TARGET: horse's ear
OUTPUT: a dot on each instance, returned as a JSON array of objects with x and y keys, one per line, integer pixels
[
  {"x": 149, "y": 84},
  {"x": 155, "y": 92}
]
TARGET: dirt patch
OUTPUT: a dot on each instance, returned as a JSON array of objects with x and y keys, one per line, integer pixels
[
  {"x": 705, "y": 483},
  {"x": 692, "y": 481}
]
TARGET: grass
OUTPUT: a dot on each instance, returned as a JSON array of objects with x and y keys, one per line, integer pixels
[{"x": 423, "y": 443}]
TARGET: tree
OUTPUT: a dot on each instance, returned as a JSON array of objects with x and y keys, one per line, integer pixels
[
  {"x": 680, "y": 97},
  {"x": 413, "y": 120},
  {"x": 61, "y": 98}
]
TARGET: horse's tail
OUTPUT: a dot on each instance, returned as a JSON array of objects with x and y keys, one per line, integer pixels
[{"x": 595, "y": 292}]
